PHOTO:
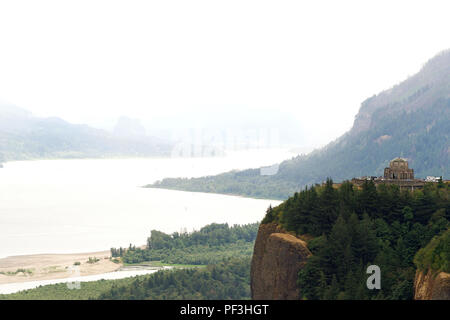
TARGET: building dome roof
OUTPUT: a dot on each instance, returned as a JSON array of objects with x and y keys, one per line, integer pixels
[{"x": 399, "y": 159}]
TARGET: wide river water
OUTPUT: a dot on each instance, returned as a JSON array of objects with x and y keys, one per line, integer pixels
[{"x": 71, "y": 206}]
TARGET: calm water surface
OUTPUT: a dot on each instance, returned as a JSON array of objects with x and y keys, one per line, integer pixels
[{"x": 68, "y": 206}]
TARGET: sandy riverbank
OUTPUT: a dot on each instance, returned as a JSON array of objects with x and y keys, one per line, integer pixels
[{"x": 54, "y": 266}]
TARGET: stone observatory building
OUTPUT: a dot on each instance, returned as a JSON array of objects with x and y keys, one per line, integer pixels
[{"x": 398, "y": 170}]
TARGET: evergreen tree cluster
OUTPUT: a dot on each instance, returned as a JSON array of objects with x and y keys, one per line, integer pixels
[
  {"x": 353, "y": 228},
  {"x": 211, "y": 244},
  {"x": 225, "y": 280},
  {"x": 436, "y": 255}
]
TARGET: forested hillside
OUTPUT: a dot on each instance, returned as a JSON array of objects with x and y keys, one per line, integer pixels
[
  {"x": 225, "y": 250},
  {"x": 349, "y": 229},
  {"x": 410, "y": 120},
  {"x": 345, "y": 228},
  {"x": 219, "y": 268}
]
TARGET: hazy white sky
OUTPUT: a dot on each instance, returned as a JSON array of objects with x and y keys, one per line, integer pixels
[{"x": 92, "y": 61}]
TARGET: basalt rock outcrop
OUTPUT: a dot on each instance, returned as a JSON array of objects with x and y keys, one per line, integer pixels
[
  {"x": 432, "y": 286},
  {"x": 277, "y": 258}
]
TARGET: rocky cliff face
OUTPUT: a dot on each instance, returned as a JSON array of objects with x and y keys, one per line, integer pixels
[
  {"x": 432, "y": 286},
  {"x": 277, "y": 258}
]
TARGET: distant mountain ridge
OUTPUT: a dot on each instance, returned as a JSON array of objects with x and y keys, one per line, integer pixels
[
  {"x": 24, "y": 136},
  {"x": 430, "y": 84},
  {"x": 411, "y": 120}
]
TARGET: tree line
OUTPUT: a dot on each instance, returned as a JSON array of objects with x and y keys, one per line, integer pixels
[
  {"x": 211, "y": 244},
  {"x": 352, "y": 228},
  {"x": 225, "y": 280}
]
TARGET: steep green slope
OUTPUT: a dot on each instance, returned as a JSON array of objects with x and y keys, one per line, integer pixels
[
  {"x": 349, "y": 229},
  {"x": 436, "y": 255},
  {"x": 411, "y": 120}
]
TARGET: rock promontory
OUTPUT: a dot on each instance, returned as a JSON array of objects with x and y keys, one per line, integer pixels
[
  {"x": 277, "y": 258},
  {"x": 432, "y": 285}
]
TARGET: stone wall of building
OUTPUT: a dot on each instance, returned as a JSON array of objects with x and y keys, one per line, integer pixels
[{"x": 399, "y": 170}]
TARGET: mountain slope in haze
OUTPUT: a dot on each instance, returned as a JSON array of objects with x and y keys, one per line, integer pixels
[
  {"x": 411, "y": 120},
  {"x": 23, "y": 136},
  {"x": 231, "y": 127}
]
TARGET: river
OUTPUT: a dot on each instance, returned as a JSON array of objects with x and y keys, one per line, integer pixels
[{"x": 69, "y": 206}]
